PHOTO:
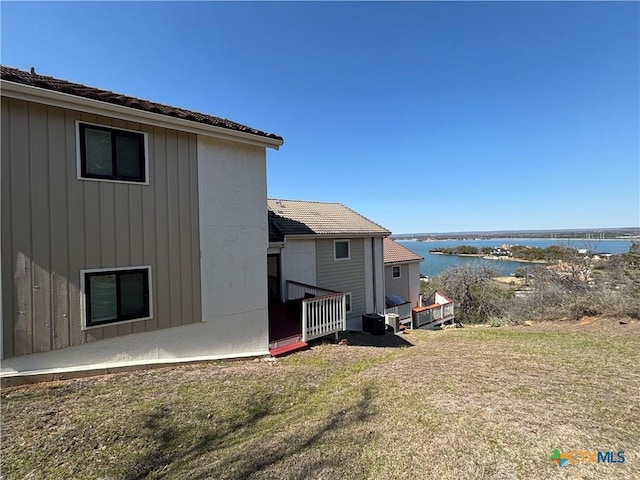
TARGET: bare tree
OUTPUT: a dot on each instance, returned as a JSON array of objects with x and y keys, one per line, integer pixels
[{"x": 477, "y": 299}]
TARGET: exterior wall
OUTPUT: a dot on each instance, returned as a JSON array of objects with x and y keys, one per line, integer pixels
[
  {"x": 374, "y": 275},
  {"x": 414, "y": 285},
  {"x": 54, "y": 225},
  {"x": 299, "y": 263},
  {"x": 408, "y": 285},
  {"x": 234, "y": 242},
  {"x": 397, "y": 286},
  {"x": 344, "y": 275}
]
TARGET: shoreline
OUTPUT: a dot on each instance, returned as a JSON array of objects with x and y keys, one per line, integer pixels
[
  {"x": 561, "y": 239},
  {"x": 492, "y": 257}
]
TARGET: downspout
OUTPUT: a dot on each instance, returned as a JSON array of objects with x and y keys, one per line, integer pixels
[{"x": 373, "y": 264}]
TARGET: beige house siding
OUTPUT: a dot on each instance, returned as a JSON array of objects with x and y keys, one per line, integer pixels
[
  {"x": 54, "y": 225},
  {"x": 343, "y": 275},
  {"x": 397, "y": 286}
]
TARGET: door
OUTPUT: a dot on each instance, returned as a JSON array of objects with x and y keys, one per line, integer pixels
[{"x": 273, "y": 278}]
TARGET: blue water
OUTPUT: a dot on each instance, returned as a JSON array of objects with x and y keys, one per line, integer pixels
[{"x": 434, "y": 264}]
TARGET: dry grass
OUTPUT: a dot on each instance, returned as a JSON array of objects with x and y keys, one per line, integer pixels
[{"x": 460, "y": 403}]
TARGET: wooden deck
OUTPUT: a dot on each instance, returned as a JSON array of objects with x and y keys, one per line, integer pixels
[{"x": 283, "y": 328}]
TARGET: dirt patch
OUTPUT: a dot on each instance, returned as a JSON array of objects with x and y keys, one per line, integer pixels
[{"x": 592, "y": 325}]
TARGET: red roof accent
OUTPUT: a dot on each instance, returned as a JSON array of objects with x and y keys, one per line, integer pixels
[{"x": 396, "y": 253}]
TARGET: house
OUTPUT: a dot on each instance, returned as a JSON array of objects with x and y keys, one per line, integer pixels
[
  {"x": 435, "y": 311},
  {"x": 321, "y": 251},
  {"x": 401, "y": 280},
  {"x": 132, "y": 232}
]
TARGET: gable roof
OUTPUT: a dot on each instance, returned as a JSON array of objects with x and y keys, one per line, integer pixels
[
  {"x": 396, "y": 253},
  {"x": 297, "y": 217},
  {"x": 78, "y": 90}
]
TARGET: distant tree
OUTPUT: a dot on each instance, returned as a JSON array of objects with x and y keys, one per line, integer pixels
[
  {"x": 476, "y": 298},
  {"x": 632, "y": 266},
  {"x": 523, "y": 272},
  {"x": 466, "y": 250}
]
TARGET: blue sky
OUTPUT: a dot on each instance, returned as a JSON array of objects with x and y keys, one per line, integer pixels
[{"x": 422, "y": 116}]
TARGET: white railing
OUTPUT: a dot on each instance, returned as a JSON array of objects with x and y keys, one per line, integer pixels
[
  {"x": 324, "y": 311},
  {"x": 434, "y": 314},
  {"x": 323, "y": 316},
  {"x": 297, "y": 290},
  {"x": 403, "y": 311}
]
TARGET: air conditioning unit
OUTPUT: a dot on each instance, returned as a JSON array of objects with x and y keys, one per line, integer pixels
[{"x": 393, "y": 320}]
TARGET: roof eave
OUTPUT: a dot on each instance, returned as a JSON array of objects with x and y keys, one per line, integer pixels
[
  {"x": 307, "y": 236},
  {"x": 397, "y": 262},
  {"x": 82, "y": 104}
]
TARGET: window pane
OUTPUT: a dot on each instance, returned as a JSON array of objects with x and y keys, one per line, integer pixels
[
  {"x": 342, "y": 249},
  {"x": 98, "y": 151},
  {"x": 132, "y": 295},
  {"x": 128, "y": 160},
  {"x": 103, "y": 297}
]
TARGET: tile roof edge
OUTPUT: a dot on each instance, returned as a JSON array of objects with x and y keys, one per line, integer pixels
[
  {"x": 16, "y": 76},
  {"x": 303, "y": 201},
  {"x": 388, "y": 232}
]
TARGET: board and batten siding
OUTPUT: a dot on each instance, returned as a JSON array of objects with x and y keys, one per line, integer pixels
[
  {"x": 54, "y": 225},
  {"x": 343, "y": 275}
]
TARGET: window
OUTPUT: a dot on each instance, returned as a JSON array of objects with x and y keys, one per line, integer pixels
[
  {"x": 115, "y": 295},
  {"x": 347, "y": 298},
  {"x": 395, "y": 272},
  {"x": 341, "y": 250},
  {"x": 107, "y": 153}
]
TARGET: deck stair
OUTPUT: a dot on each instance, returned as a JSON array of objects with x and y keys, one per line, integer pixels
[{"x": 287, "y": 346}]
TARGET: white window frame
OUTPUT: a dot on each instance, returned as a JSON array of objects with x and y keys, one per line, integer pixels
[
  {"x": 393, "y": 272},
  {"x": 83, "y": 296},
  {"x": 335, "y": 243},
  {"x": 79, "y": 154},
  {"x": 348, "y": 304}
]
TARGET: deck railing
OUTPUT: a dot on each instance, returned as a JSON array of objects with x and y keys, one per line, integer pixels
[
  {"x": 324, "y": 312},
  {"x": 433, "y": 314},
  {"x": 403, "y": 311}
]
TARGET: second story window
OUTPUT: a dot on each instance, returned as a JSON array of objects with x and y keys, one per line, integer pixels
[
  {"x": 112, "y": 154},
  {"x": 341, "y": 250}
]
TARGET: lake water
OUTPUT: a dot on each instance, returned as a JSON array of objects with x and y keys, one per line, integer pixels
[{"x": 434, "y": 264}]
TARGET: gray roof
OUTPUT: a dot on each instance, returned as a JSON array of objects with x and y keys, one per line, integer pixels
[{"x": 296, "y": 217}]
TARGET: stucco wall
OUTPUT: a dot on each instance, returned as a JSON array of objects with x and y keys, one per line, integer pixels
[
  {"x": 234, "y": 241},
  {"x": 299, "y": 262}
]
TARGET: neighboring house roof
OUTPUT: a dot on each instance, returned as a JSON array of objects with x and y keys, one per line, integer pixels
[
  {"x": 296, "y": 217},
  {"x": 396, "y": 253},
  {"x": 62, "y": 86}
]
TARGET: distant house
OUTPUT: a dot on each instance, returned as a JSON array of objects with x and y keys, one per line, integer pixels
[
  {"x": 326, "y": 250},
  {"x": 435, "y": 311},
  {"x": 503, "y": 251},
  {"x": 134, "y": 232},
  {"x": 401, "y": 279}
]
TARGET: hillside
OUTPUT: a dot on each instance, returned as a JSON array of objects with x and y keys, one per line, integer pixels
[{"x": 488, "y": 403}]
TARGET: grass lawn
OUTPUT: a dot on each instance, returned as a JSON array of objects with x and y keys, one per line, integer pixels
[{"x": 452, "y": 404}]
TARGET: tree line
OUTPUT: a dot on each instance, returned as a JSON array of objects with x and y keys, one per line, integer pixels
[
  {"x": 575, "y": 285},
  {"x": 520, "y": 252}
]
